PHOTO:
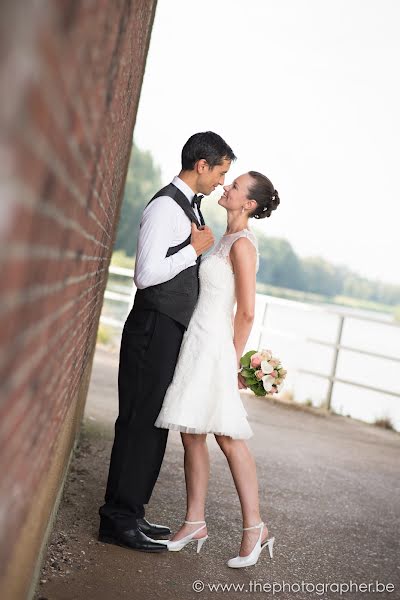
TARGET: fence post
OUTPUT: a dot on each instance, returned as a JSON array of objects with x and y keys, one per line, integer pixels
[{"x": 335, "y": 362}]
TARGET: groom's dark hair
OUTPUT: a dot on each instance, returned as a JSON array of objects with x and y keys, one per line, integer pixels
[{"x": 207, "y": 145}]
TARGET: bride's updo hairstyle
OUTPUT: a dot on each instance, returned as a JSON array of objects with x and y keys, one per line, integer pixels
[{"x": 264, "y": 193}]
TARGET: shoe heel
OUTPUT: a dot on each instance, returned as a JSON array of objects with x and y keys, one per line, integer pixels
[
  {"x": 200, "y": 543},
  {"x": 270, "y": 545}
]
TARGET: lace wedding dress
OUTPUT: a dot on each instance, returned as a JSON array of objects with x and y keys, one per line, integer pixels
[{"x": 203, "y": 396}]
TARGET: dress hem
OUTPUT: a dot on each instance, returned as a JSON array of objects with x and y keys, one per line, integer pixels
[{"x": 196, "y": 430}]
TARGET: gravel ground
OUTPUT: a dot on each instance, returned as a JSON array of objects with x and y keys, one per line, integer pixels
[{"x": 329, "y": 493}]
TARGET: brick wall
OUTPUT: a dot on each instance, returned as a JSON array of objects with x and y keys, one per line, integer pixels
[{"x": 70, "y": 75}]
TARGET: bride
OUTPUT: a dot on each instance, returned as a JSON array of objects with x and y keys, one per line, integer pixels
[{"x": 204, "y": 394}]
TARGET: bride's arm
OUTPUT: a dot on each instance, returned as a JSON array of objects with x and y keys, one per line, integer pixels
[{"x": 244, "y": 259}]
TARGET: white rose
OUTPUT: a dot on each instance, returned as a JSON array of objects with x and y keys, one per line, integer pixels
[
  {"x": 266, "y": 367},
  {"x": 267, "y": 382}
]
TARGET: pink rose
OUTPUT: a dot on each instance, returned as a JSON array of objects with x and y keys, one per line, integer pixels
[
  {"x": 259, "y": 374},
  {"x": 274, "y": 373},
  {"x": 255, "y": 360}
]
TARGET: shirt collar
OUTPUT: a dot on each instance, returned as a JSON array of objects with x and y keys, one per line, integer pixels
[{"x": 184, "y": 188}]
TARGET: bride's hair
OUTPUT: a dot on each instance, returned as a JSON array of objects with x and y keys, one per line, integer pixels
[{"x": 264, "y": 193}]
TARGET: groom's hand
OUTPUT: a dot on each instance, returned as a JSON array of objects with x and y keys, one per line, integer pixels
[{"x": 201, "y": 239}]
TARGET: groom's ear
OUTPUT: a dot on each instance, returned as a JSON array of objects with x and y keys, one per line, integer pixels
[{"x": 201, "y": 165}]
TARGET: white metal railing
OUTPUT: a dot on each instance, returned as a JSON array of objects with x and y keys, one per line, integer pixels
[{"x": 337, "y": 345}]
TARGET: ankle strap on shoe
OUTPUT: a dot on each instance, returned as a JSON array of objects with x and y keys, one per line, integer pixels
[
  {"x": 254, "y": 527},
  {"x": 194, "y": 522}
]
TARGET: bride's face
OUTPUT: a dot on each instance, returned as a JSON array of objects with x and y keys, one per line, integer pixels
[{"x": 235, "y": 194}]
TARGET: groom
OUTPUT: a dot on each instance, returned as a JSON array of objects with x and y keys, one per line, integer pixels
[{"x": 171, "y": 239}]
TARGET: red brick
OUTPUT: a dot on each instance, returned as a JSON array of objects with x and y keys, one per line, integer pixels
[{"x": 70, "y": 131}]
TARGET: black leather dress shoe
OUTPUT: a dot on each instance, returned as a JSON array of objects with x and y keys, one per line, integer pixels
[
  {"x": 151, "y": 529},
  {"x": 132, "y": 538}
]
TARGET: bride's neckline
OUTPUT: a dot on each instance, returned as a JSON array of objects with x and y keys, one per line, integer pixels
[{"x": 235, "y": 232}]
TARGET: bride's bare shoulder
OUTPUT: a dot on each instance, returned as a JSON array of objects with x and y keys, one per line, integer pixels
[{"x": 243, "y": 249}]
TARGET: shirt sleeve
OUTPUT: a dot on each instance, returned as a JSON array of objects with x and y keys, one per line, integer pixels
[{"x": 158, "y": 230}]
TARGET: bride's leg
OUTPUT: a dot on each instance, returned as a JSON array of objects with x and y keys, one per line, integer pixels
[
  {"x": 197, "y": 469},
  {"x": 243, "y": 469}
]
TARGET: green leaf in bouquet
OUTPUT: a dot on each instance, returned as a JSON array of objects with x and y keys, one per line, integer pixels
[
  {"x": 251, "y": 381},
  {"x": 261, "y": 392},
  {"x": 258, "y": 390},
  {"x": 247, "y": 372},
  {"x": 245, "y": 360}
]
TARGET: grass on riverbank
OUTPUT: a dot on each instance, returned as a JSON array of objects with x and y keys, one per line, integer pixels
[
  {"x": 385, "y": 423},
  {"x": 310, "y": 298}
]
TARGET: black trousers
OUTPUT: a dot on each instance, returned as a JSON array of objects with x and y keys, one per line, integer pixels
[{"x": 149, "y": 351}]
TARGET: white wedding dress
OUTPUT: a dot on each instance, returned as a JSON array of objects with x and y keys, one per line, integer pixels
[{"x": 203, "y": 396}]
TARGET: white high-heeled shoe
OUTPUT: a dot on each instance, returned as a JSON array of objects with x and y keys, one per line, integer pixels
[
  {"x": 252, "y": 558},
  {"x": 175, "y": 546}
]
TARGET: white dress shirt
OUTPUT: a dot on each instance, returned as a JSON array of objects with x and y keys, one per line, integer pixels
[{"x": 163, "y": 225}]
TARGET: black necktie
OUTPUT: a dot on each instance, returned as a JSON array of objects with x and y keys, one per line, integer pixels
[{"x": 196, "y": 202}]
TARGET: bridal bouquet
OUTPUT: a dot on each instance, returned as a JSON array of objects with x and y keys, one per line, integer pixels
[{"x": 262, "y": 372}]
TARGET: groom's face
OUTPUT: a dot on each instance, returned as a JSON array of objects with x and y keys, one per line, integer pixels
[{"x": 211, "y": 177}]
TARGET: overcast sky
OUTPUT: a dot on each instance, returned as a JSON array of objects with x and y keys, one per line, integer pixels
[{"x": 305, "y": 91}]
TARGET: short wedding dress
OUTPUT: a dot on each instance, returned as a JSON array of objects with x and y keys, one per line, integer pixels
[{"x": 203, "y": 396}]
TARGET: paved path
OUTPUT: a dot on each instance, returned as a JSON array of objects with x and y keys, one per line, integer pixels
[{"x": 329, "y": 491}]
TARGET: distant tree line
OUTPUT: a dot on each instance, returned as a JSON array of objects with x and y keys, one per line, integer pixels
[
  {"x": 142, "y": 182},
  {"x": 279, "y": 264}
]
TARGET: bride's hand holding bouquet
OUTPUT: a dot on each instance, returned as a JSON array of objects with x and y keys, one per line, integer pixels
[{"x": 262, "y": 372}]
